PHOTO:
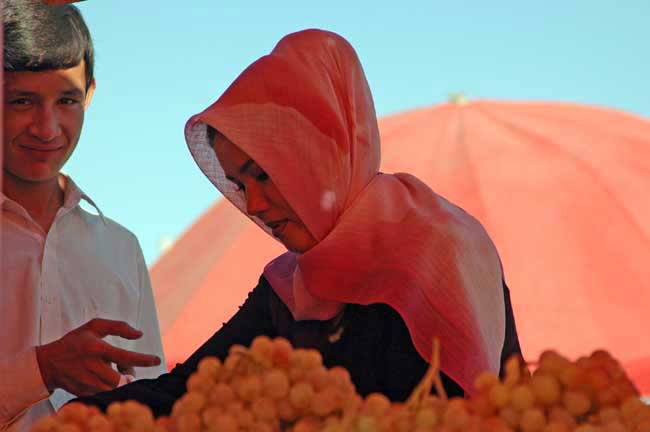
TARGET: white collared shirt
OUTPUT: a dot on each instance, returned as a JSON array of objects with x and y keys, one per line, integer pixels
[{"x": 85, "y": 267}]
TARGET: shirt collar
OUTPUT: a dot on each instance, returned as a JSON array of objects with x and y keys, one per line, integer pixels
[{"x": 72, "y": 196}]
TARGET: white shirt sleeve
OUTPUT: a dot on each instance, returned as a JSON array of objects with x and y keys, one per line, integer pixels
[
  {"x": 147, "y": 322},
  {"x": 21, "y": 386}
]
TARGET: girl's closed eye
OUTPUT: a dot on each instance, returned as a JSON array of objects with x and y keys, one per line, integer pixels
[{"x": 239, "y": 186}]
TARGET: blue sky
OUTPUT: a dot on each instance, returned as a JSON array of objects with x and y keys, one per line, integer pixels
[{"x": 159, "y": 62}]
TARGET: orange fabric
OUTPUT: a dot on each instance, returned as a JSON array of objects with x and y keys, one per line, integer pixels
[{"x": 305, "y": 114}]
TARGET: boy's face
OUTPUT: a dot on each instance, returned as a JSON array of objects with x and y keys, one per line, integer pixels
[{"x": 43, "y": 115}]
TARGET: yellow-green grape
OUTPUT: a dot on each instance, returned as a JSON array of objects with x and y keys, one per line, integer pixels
[
  {"x": 556, "y": 427},
  {"x": 210, "y": 414},
  {"x": 485, "y": 381},
  {"x": 630, "y": 407},
  {"x": 99, "y": 423},
  {"x": 301, "y": 395},
  {"x": 260, "y": 427},
  {"x": 75, "y": 412},
  {"x": 340, "y": 378},
  {"x": 400, "y": 420},
  {"x": 114, "y": 410},
  {"x": 221, "y": 394},
  {"x": 456, "y": 415},
  {"x": 614, "y": 426},
  {"x": 494, "y": 424},
  {"x": 235, "y": 408},
  {"x": 281, "y": 354},
  {"x": 191, "y": 402},
  {"x": 607, "y": 397},
  {"x": 431, "y": 401},
  {"x": 558, "y": 414},
  {"x": 262, "y": 350},
  {"x": 70, "y": 427},
  {"x": 587, "y": 428},
  {"x": 210, "y": 366},
  {"x": 250, "y": 387},
  {"x": 546, "y": 389},
  {"x": 510, "y": 415},
  {"x": 325, "y": 402},
  {"x": 522, "y": 397},
  {"x": 313, "y": 359},
  {"x": 366, "y": 423},
  {"x": 307, "y": 424},
  {"x": 134, "y": 417},
  {"x": 576, "y": 403},
  {"x": 225, "y": 423},
  {"x": 376, "y": 404},
  {"x": 550, "y": 362},
  {"x": 512, "y": 371},
  {"x": 426, "y": 418},
  {"x": 318, "y": 378},
  {"x": 236, "y": 349},
  {"x": 480, "y": 405},
  {"x": 625, "y": 389},
  {"x": 568, "y": 375},
  {"x": 643, "y": 426},
  {"x": 599, "y": 379},
  {"x": 246, "y": 419},
  {"x": 275, "y": 384},
  {"x": 500, "y": 395},
  {"x": 532, "y": 420},
  {"x": 200, "y": 382},
  {"x": 163, "y": 424},
  {"x": 286, "y": 411},
  {"x": 609, "y": 414},
  {"x": 264, "y": 409},
  {"x": 332, "y": 424},
  {"x": 190, "y": 422},
  {"x": 231, "y": 362}
]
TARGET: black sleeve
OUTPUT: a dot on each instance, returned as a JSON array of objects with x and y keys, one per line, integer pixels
[
  {"x": 404, "y": 368},
  {"x": 252, "y": 319},
  {"x": 511, "y": 342}
]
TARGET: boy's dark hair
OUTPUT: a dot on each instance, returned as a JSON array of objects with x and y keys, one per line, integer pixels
[{"x": 40, "y": 37}]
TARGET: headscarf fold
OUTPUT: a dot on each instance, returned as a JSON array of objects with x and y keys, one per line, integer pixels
[{"x": 304, "y": 113}]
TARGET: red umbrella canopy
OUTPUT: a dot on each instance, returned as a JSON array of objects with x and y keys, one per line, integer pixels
[{"x": 561, "y": 188}]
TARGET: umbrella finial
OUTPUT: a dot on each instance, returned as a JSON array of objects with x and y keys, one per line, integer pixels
[{"x": 458, "y": 98}]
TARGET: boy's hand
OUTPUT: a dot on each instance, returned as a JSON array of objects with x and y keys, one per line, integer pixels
[{"x": 80, "y": 362}]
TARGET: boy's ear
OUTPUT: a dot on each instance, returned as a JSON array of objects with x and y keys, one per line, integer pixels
[{"x": 89, "y": 94}]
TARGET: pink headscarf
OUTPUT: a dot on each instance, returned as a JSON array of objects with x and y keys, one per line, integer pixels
[{"x": 305, "y": 114}]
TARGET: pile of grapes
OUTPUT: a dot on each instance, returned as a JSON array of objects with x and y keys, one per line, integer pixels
[{"x": 272, "y": 387}]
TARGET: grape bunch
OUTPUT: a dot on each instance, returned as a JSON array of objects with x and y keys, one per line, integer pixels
[
  {"x": 269, "y": 387},
  {"x": 559, "y": 395},
  {"x": 129, "y": 416},
  {"x": 272, "y": 387}
]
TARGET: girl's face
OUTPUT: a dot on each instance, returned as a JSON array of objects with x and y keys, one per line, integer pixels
[{"x": 263, "y": 199}]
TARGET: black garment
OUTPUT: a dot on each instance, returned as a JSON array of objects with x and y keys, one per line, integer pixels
[{"x": 372, "y": 342}]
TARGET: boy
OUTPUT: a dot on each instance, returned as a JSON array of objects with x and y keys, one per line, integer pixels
[{"x": 63, "y": 268}]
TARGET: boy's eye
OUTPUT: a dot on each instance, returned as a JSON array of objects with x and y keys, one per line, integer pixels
[
  {"x": 68, "y": 101},
  {"x": 20, "y": 101}
]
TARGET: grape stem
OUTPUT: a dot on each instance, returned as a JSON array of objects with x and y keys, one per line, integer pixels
[{"x": 431, "y": 378}]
